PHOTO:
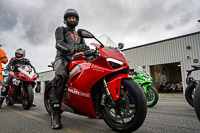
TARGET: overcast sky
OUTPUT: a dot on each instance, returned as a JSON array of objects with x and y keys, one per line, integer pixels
[{"x": 31, "y": 24}]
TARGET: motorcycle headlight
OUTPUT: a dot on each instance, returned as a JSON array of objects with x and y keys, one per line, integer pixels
[
  {"x": 114, "y": 63},
  {"x": 148, "y": 79}
]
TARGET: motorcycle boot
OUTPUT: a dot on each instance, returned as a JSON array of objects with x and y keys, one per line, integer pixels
[{"x": 56, "y": 116}]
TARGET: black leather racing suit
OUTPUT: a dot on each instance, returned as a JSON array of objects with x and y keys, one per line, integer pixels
[
  {"x": 13, "y": 66},
  {"x": 66, "y": 42}
]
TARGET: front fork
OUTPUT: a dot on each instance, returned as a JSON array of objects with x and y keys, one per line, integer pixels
[
  {"x": 144, "y": 87},
  {"x": 107, "y": 95},
  {"x": 22, "y": 90}
]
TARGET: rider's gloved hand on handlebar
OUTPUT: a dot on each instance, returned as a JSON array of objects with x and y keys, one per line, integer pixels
[
  {"x": 12, "y": 73},
  {"x": 80, "y": 48},
  {"x": 87, "y": 47}
]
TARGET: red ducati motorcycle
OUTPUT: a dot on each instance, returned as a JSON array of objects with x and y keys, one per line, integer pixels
[
  {"x": 99, "y": 85},
  {"x": 21, "y": 87}
]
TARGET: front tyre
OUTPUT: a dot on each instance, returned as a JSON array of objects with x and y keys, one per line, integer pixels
[
  {"x": 130, "y": 110},
  {"x": 189, "y": 94},
  {"x": 28, "y": 97},
  {"x": 197, "y": 100},
  {"x": 8, "y": 102},
  {"x": 151, "y": 96}
]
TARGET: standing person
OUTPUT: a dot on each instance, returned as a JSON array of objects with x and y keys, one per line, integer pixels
[
  {"x": 67, "y": 43},
  {"x": 13, "y": 67},
  {"x": 4, "y": 60},
  {"x": 37, "y": 89}
]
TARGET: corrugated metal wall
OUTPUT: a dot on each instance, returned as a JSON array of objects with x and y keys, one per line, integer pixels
[{"x": 168, "y": 51}]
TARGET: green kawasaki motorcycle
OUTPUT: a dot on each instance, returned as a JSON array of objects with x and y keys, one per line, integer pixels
[{"x": 143, "y": 78}]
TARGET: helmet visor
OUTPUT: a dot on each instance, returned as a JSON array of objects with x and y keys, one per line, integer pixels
[{"x": 17, "y": 55}]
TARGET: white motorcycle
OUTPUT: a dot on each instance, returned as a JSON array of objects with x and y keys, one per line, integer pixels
[{"x": 21, "y": 88}]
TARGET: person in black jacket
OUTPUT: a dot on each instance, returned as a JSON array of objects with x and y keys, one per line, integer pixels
[
  {"x": 67, "y": 43},
  {"x": 13, "y": 67}
]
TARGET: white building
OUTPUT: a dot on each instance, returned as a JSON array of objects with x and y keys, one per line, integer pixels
[{"x": 167, "y": 59}]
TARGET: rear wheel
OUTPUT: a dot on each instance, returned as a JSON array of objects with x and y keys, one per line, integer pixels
[
  {"x": 151, "y": 96},
  {"x": 197, "y": 100},
  {"x": 189, "y": 94},
  {"x": 8, "y": 102},
  {"x": 27, "y": 100},
  {"x": 48, "y": 97},
  {"x": 130, "y": 110}
]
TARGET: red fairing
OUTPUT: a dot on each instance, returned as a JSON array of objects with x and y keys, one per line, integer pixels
[
  {"x": 79, "y": 60},
  {"x": 24, "y": 77},
  {"x": 114, "y": 85},
  {"x": 111, "y": 54}
]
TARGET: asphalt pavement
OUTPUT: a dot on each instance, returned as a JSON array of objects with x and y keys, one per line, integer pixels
[{"x": 172, "y": 114}]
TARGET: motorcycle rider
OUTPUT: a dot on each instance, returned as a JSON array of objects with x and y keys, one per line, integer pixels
[
  {"x": 13, "y": 67},
  {"x": 67, "y": 43}
]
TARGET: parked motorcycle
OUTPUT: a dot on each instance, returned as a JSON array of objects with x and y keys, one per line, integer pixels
[
  {"x": 179, "y": 86},
  {"x": 170, "y": 87},
  {"x": 21, "y": 88},
  {"x": 143, "y": 78},
  {"x": 191, "y": 85},
  {"x": 99, "y": 85}
]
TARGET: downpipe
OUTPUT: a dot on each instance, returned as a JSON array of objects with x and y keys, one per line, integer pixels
[{"x": 67, "y": 108}]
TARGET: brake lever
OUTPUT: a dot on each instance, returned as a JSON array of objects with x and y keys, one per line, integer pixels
[{"x": 76, "y": 56}]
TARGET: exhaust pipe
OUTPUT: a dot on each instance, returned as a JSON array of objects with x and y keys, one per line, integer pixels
[{"x": 67, "y": 108}]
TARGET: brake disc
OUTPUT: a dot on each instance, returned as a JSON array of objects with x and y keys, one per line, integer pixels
[{"x": 121, "y": 110}]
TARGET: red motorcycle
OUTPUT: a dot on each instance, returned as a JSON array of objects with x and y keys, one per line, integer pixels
[
  {"x": 99, "y": 85},
  {"x": 21, "y": 87}
]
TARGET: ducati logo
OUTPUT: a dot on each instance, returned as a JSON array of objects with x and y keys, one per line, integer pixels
[{"x": 78, "y": 93}]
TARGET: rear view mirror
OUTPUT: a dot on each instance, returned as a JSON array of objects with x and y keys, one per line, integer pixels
[
  {"x": 85, "y": 34},
  {"x": 120, "y": 45}
]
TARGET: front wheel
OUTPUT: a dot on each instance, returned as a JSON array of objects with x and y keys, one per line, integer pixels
[
  {"x": 197, "y": 100},
  {"x": 28, "y": 97},
  {"x": 130, "y": 110},
  {"x": 8, "y": 102},
  {"x": 151, "y": 96},
  {"x": 189, "y": 94}
]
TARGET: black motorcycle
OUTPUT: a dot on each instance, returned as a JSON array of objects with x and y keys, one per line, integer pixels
[
  {"x": 170, "y": 87},
  {"x": 191, "y": 85}
]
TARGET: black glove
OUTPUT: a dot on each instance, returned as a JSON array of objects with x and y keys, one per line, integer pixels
[
  {"x": 87, "y": 47},
  {"x": 81, "y": 47}
]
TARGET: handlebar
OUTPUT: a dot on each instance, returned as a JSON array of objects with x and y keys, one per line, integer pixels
[
  {"x": 86, "y": 53},
  {"x": 51, "y": 66},
  {"x": 190, "y": 71}
]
